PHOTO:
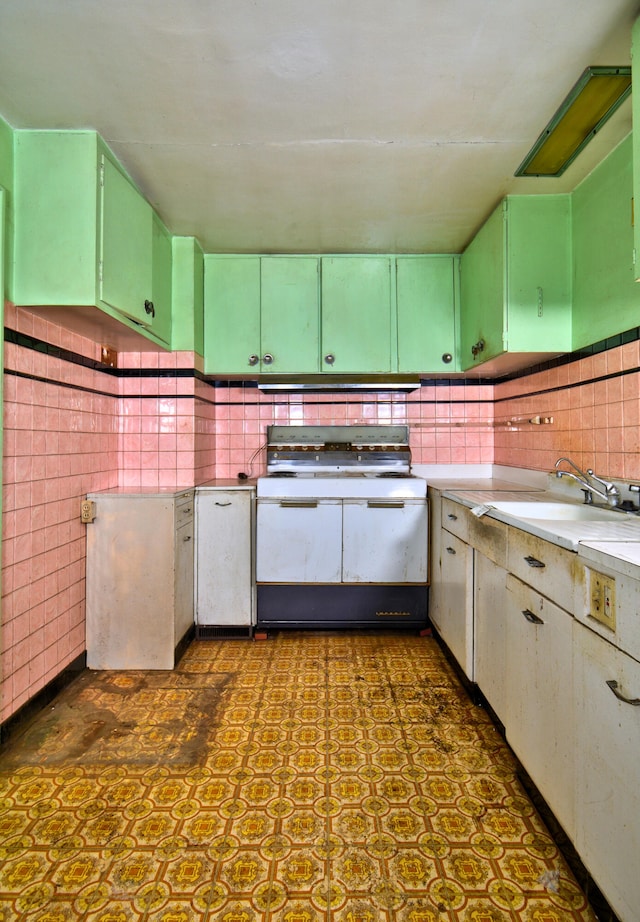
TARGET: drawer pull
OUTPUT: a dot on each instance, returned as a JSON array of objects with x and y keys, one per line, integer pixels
[
  {"x": 613, "y": 685},
  {"x": 450, "y": 550},
  {"x": 452, "y": 517},
  {"x": 299, "y": 503},
  {"x": 384, "y": 504},
  {"x": 223, "y": 504},
  {"x": 186, "y": 510},
  {"x": 534, "y": 562},
  {"x": 531, "y": 617},
  {"x": 187, "y": 538}
]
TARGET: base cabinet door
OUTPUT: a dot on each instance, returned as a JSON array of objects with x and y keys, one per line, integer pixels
[
  {"x": 490, "y": 632},
  {"x": 139, "y": 582},
  {"x": 224, "y": 586},
  {"x": 539, "y": 714},
  {"x": 607, "y": 769},
  {"x": 456, "y": 609}
]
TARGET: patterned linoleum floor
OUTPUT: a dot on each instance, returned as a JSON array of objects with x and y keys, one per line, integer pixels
[{"x": 307, "y": 778}]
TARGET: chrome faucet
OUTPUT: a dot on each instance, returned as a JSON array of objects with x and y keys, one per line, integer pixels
[{"x": 610, "y": 494}]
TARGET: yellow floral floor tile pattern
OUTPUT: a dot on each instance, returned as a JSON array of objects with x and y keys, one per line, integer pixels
[{"x": 307, "y": 778}]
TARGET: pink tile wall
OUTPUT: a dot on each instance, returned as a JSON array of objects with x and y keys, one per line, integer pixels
[
  {"x": 60, "y": 441},
  {"x": 447, "y": 424},
  {"x": 71, "y": 430},
  {"x": 595, "y": 406}
]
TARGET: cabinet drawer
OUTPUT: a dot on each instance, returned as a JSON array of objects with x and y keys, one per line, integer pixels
[
  {"x": 489, "y": 537},
  {"x": 455, "y": 518},
  {"x": 184, "y": 509},
  {"x": 550, "y": 569}
]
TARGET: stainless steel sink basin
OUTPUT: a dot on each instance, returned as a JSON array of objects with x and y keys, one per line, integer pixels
[{"x": 558, "y": 512}]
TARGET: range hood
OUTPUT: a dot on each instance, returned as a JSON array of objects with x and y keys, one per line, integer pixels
[{"x": 323, "y": 383}]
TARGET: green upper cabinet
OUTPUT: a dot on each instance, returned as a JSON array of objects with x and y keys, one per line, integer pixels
[
  {"x": 187, "y": 295},
  {"x": 232, "y": 314},
  {"x": 515, "y": 285},
  {"x": 161, "y": 279},
  {"x": 126, "y": 246},
  {"x": 426, "y": 297},
  {"x": 85, "y": 237},
  {"x": 635, "y": 114},
  {"x": 356, "y": 315},
  {"x": 262, "y": 315},
  {"x": 289, "y": 314}
]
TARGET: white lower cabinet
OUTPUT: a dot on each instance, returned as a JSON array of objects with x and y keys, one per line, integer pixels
[
  {"x": 139, "y": 599},
  {"x": 223, "y": 583},
  {"x": 539, "y": 719},
  {"x": 607, "y": 777}
]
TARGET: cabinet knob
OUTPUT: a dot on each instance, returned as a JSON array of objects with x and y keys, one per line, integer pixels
[
  {"x": 149, "y": 308},
  {"x": 267, "y": 359},
  {"x": 329, "y": 358},
  {"x": 254, "y": 359},
  {"x": 447, "y": 357}
]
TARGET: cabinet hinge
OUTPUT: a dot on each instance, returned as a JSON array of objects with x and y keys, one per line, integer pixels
[
  {"x": 100, "y": 265},
  {"x": 102, "y": 174}
]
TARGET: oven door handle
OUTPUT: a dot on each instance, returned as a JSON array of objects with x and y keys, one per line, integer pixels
[
  {"x": 385, "y": 504},
  {"x": 299, "y": 503}
]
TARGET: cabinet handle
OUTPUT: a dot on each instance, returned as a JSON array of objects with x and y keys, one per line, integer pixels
[
  {"x": 477, "y": 348},
  {"x": 188, "y": 538},
  {"x": 534, "y": 562},
  {"x": 254, "y": 359},
  {"x": 329, "y": 358},
  {"x": 382, "y": 504},
  {"x": 186, "y": 511},
  {"x": 299, "y": 503},
  {"x": 613, "y": 685},
  {"x": 223, "y": 504},
  {"x": 452, "y": 517},
  {"x": 450, "y": 550},
  {"x": 531, "y": 617},
  {"x": 267, "y": 359},
  {"x": 149, "y": 308}
]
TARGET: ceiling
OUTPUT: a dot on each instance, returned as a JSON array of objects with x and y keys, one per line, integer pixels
[{"x": 315, "y": 125}]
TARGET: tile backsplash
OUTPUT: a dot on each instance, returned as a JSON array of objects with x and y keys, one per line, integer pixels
[{"x": 73, "y": 426}]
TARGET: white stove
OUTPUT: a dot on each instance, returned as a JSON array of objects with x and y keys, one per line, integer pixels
[{"x": 342, "y": 529}]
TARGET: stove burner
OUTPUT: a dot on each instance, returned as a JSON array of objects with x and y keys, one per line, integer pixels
[{"x": 282, "y": 474}]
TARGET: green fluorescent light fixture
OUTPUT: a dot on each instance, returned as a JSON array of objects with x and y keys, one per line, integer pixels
[{"x": 591, "y": 102}]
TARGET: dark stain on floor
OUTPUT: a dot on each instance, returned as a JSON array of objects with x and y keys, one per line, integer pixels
[{"x": 97, "y": 720}]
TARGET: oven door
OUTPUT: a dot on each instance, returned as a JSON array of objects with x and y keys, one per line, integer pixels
[
  {"x": 299, "y": 541},
  {"x": 385, "y": 541}
]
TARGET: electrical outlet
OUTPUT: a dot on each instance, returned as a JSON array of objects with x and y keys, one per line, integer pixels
[
  {"x": 87, "y": 511},
  {"x": 602, "y": 598}
]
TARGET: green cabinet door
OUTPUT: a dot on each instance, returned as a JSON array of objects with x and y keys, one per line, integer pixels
[
  {"x": 289, "y": 315},
  {"x": 161, "y": 280},
  {"x": 232, "y": 314},
  {"x": 126, "y": 246},
  {"x": 515, "y": 286},
  {"x": 425, "y": 297},
  {"x": 187, "y": 295},
  {"x": 356, "y": 315}
]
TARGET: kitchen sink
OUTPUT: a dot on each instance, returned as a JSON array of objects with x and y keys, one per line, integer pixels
[{"x": 558, "y": 511}]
